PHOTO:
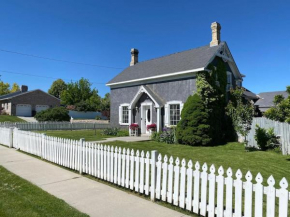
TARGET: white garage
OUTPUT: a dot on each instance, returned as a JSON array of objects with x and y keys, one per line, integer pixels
[
  {"x": 39, "y": 108},
  {"x": 23, "y": 110}
]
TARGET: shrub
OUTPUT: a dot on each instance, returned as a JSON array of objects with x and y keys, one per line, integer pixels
[
  {"x": 167, "y": 136},
  {"x": 115, "y": 131},
  {"x": 98, "y": 118},
  {"x": 266, "y": 139},
  {"x": 193, "y": 128},
  {"x": 53, "y": 114},
  {"x": 155, "y": 136},
  {"x": 111, "y": 131}
]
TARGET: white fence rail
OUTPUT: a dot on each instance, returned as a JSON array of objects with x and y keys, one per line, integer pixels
[
  {"x": 207, "y": 192},
  {"x": 280, "y": 129},
  {"x": 6, "y": 136},
  {"x": 42, "y": 126}
]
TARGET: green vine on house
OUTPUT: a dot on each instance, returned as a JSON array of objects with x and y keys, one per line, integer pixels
[
  {"x": 211, "y": 90},
  {"x": 211, "y": 87}
]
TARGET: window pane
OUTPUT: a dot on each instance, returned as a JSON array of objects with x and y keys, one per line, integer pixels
[
  {"x": 174, "y": 114},
  {"x": 125, "y": 114}
]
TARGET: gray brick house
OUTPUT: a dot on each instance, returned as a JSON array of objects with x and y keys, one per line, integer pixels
[
  {"x": 154, "y": 91},
  {"x": 26, "y": 103}
]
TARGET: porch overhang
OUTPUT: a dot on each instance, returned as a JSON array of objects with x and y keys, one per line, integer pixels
[{"x": 153, "y": 96}]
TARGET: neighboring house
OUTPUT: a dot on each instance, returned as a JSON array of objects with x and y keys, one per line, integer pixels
[
  {"x": 26, "y": 103},
  {"x": 250, "y": 96},
  {"x": 155, "y": 91},
  {"x": 266, "y": 99}
]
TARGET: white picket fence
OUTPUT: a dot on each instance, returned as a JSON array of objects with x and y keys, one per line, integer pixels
[
  {"x": 207, "y": 192},
  {"x": 43, "y": 126},
  {"x": 6, "y": 136},
  {"x": 280, "y": 129}
]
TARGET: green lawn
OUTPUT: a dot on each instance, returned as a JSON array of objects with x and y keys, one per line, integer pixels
[
  {"x": 4, "y": 118},
  {"x": 230, "y": 155},
  {"x": 19, "y": 197},
  {"x": 88, "y": 135}
]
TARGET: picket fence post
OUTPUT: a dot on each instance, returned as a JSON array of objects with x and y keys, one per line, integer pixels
[
  {"x": 11, "y": 137},
  {"x": 81, "y": 145},
  {"x": 42, "y": 145},
  {"x": 154, "y": 155}
]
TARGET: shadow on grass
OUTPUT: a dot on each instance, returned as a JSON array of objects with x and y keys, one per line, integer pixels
[{"x": 183, "y": 211}]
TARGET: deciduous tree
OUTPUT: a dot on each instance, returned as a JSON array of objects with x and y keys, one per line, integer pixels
[
  {"x": 57, "y": 88},
  {"x": 281, "y": 110},
  {"x": 241, "y": 112},
  {"x": 15, "y": 88},
  {"x": 81, "y": 95},
  {"x": 4, "y": 88}
]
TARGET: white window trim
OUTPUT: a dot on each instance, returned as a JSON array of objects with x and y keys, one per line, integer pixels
[
  {"x": 167, "y": 111},
  {"x": 121, "y": 114}
]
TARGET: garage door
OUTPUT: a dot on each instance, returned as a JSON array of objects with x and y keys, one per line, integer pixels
[
  {"x": 23, "y": 110},
  {"x": 40, "y": 108}
]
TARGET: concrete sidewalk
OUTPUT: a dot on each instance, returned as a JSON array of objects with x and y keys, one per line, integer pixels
[
  {"x": 126, "y": 139},
  {"x": 86, "y": 195}
]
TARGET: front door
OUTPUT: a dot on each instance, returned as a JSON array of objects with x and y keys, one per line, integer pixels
[{"x": 146, "y": 118}]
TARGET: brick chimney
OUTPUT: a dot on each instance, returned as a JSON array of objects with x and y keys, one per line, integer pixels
[
  {"x": 134, "y": 56},
  {"x": 216, "y": 34},
  {"x": 24, "y": 88}
]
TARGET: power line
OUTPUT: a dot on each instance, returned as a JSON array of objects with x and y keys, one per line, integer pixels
[
  {"x": 59, "y": 60},
  {"x": 41, "y": 76}
]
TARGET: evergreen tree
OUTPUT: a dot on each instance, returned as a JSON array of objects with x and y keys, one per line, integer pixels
[
  {"x": 193, "y": 128},
  {"x": 211, "y": 87}
]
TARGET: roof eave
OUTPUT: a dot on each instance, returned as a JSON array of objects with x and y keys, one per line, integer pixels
[{"x": 158, "y": 76}]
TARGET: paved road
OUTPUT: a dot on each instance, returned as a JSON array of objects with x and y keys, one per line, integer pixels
[{"x": 86, "y": 195}]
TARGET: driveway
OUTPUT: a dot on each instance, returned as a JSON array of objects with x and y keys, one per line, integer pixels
[{"x": 28, "y": 119}]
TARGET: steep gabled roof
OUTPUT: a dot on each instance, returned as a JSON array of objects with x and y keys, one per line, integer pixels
[
  {"x": 267, "y": 98},
  {"x": 183, "y": 61}
]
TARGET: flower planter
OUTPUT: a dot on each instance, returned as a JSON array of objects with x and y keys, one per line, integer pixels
[
  {"x": 134, "y": 129},
  {"x": 151, "y": 128}
]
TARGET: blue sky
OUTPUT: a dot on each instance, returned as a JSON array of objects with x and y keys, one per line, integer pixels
[{"x": 103, "y": 32}]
